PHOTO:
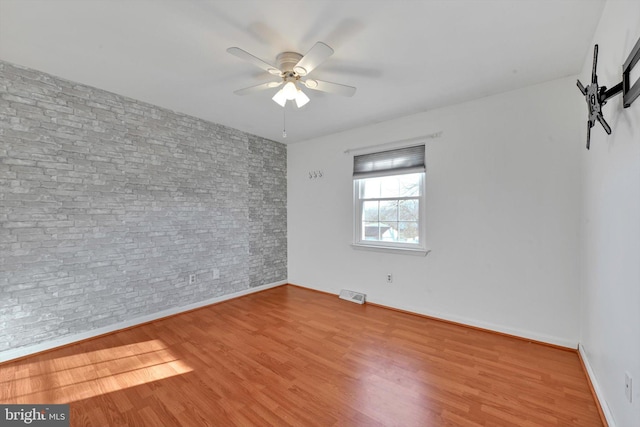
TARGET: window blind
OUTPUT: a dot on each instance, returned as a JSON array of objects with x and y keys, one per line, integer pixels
[{"x": 391, "y": 162}]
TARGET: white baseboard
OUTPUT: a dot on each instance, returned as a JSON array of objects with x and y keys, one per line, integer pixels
[
  {"x": 596, "y": 387},
  {"x": 548, "y": 339},
  {"x": 70, "y": 339}
]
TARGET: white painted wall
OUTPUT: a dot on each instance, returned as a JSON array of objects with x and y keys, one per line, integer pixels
[
  {"x": 503, "y": 207},
  {"x": 610, "y": 261}
]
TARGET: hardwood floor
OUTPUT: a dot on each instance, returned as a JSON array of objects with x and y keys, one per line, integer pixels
[{"x": 291, "y": 356}]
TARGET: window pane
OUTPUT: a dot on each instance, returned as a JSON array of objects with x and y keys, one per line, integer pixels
[
  {"x": 370, "y": 188},
  {"x": 370, "y": 211},
  {"x": 408, "y": 232},
  {"x": 371, "y": 231},
  {"x": 409, "y": 185},
  {"x": 389, "y": 210},
  {"x": 389, "y": 186},
  {"x": 389, "y": 231},
  {"x": 408, "y": 210}
]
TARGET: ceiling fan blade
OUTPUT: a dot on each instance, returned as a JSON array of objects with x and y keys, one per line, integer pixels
[
  {"x": 316, "y": 56},
  {"x": 243, "y": 54},
  {"x": 257, "y": 88},
  {"x": 329, "y": 87}
]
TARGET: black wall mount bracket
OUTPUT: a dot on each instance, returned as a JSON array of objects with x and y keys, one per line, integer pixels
[
  {"x": 630, "y": 90},
  {"x": 597, "y": 96}
]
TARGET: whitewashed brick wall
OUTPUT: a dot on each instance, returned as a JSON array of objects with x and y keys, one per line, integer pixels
[{"x": 107, "y": 204}]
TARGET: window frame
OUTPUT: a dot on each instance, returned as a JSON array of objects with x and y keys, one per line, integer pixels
[{"x": 359, "y": 242}]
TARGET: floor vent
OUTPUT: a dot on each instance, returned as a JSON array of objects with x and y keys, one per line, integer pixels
[{"x": 352, "y": 296}]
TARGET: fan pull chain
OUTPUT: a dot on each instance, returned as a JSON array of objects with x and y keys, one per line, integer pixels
[{"x": 284, "y": 122}]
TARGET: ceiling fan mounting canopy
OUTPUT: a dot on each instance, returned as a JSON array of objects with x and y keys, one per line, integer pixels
[{"x": 287, "y": 62}]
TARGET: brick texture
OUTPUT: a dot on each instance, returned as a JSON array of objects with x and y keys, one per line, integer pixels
[{"x": 108, "y": 204}]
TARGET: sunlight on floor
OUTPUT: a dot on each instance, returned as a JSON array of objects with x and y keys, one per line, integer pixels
[{"x": 84, "y": 375}]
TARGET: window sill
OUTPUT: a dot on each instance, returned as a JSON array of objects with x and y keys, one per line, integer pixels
[{"x": 391, "y": 250}]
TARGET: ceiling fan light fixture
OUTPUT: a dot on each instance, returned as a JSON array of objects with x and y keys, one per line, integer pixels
[
  {"x": 311, "y": 84},
  {"x": 301, "y": 71},
  {"x": 301, "y": 99},
  {"x": 290, "y": 91},
  {"x": 279, "y": 98}
]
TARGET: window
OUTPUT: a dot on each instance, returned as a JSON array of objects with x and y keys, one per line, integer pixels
[{"x": 389, "y": 199}]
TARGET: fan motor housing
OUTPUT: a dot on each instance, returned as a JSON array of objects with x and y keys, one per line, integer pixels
[{"x": 287, "y": 60}]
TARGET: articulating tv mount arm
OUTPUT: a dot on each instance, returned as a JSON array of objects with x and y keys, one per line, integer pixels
[{"x": 596, "y": 97}]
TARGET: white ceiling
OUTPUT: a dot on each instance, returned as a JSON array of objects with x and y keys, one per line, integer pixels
[{"x": 403, "y": 56}]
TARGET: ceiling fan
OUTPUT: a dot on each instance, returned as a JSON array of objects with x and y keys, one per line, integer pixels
[{"x": 293, "y": 69}]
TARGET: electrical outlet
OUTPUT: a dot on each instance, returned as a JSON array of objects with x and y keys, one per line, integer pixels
[
  {"x": 389, "y": 278},
  {"x": 628, "y": 389},
  {"x": 192, "y": 279},
  {"x": 216, "y": 273}
]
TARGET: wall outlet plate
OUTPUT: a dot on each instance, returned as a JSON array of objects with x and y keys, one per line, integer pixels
[
  {"x": 192, "y": 279},
  {"x": 628, "y": 386}
]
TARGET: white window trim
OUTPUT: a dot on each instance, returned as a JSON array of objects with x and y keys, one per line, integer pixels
[
  {"x": 391, "y": 250},
  {"x": 389, "y": 247}
]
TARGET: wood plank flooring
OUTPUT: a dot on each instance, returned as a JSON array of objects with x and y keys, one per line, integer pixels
[{"x": 294, "y": 357}]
